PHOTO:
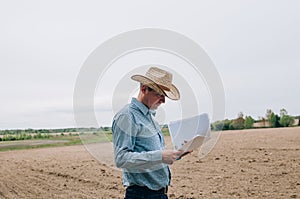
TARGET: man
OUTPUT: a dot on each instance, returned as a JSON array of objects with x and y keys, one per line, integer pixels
[{"x": 138, "y": 140}]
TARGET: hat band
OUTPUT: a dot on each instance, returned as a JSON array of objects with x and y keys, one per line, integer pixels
[{"x": 164, "y": 87}]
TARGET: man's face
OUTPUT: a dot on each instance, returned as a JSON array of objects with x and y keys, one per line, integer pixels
[{"x": 153, "y": 99}]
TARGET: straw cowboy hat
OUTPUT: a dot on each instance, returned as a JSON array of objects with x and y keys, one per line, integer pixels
[{"x": 159, "y": 80}]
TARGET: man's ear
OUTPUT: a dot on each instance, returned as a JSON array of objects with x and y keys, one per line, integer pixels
[{"x": 143, "y": 88}]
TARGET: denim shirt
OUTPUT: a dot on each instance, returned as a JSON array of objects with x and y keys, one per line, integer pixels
[{"x": 138, "y": 144}]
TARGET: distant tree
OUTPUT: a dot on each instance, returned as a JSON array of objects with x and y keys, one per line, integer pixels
[
  {"x": 268, "y": 114},
  {"x": 28, "y": 137},
  {"x": 237, "y": 123},
  {"x": 283, "y": 112},
  {"x": 38, "y": 136},
  {"x": 240, "y": 115},
  {"x": 274, "y": 120},
  {"x": 217, "y": 126},
  {"x": 106, "y": 128},
  {"x": 18, "y": 131},
  {"x": 28, "y": 130},
  {"x": 248, "y": 123},
  {"x": 221, "y": 125},
  {"x": 226, "y": 124},
  {"x": 286, "y": 121}
]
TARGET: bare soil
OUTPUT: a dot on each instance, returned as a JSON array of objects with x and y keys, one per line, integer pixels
[
  {"x": 29, "y": 143},
  {"x": 260, "y": 163}
]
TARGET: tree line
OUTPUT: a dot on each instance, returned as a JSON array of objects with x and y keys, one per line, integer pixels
[
  {"x": 24, "y": 136},
  {"x": 271, "y": 120},
  {"x": 49, "y": 131}
]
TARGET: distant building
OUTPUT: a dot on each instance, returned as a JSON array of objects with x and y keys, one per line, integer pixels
[
  {"x": 296, "y": 122},
  {"x": 260, "y": 124}
]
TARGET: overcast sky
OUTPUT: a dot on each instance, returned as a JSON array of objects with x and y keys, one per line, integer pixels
[{"x": 254, "y": 45}]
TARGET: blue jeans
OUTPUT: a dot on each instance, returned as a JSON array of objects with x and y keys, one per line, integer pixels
[{"x": 137, "y": 192}]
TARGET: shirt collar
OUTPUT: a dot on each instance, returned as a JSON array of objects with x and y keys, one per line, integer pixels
[
  {"x": 152, "y": 112},
  {"x": 143, "y": 108}
]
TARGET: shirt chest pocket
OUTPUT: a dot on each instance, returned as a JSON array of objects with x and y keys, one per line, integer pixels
[{"x": 148, "y": 143}]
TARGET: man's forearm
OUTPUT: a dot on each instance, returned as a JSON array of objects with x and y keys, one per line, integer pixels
[{"x": 137, "y": 160}]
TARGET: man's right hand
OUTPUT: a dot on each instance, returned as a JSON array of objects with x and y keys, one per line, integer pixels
[{"x": 169, "y": 156}]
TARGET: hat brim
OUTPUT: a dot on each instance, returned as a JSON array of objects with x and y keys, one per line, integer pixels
[{"x": 173, "y": 92}]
